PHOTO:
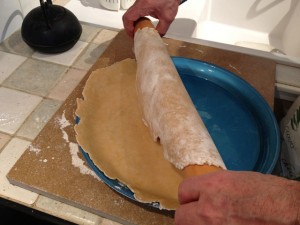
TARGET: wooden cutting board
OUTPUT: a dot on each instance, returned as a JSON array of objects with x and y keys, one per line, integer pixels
[{"x": 53, "y": 166}]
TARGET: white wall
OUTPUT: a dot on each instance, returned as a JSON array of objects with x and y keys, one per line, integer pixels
[
  {"x": 258, "y": 15},
  {"x": 28, "y": 5},
  {"x": 291, "y": 36},
  {"x": 12, "y": 13}
]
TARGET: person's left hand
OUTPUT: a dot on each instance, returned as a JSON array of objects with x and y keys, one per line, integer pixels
[{"x": 163, "y": 10}]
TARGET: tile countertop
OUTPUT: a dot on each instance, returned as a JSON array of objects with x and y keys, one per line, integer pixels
[
  {"x": 33, "y": 86},
  {"x": 29, "y": 97}
]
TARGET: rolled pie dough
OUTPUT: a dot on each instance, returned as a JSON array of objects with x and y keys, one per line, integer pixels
[
  {"x": 168, "y": 110},
  {"x": 111, "y": 131}
]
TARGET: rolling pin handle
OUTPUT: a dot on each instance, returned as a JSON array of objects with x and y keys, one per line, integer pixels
[
  {"x": 141, "y": 23},
  {"x": 198, "y": 170}
]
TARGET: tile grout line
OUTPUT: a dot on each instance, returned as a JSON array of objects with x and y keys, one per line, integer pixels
[{"x": 15, "y": 135}]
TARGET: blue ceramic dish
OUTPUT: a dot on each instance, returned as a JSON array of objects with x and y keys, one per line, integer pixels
[{"x": 237, "y": 117}]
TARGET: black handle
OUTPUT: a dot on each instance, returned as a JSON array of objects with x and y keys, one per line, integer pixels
[{"x": 44, "y": 6}]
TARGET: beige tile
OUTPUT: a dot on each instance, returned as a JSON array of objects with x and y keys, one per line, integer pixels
[
  {"x": 105, "y": 37},
  {"x": 109, "y": 222},
  {"x": 66, "y": 58},
  {"x": 66, "y": 85},
  {"x": 60, "y": 2},
  {"x": 4, "y": 138},
  {"x": 8, "y": 63},
  {"x": 89, "y": 56},
  {"x": 36, "y": 77},
  {"x": 89, "y": 32},
  {"x": 15, "y": 108},
  {"x": 38, "y": 119},
  {"x": 67, "y": 212},
  {"x": 8, "y": 157},
  {"x": 15, "y": 44}
]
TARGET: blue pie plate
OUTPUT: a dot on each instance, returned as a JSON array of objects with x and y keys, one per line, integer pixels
[{"x": 239, "y": 120}]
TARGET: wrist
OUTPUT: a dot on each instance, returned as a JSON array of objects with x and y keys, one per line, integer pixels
[
  {"x": 298, "y": 214},
  {"x": 294, "y": 188}
]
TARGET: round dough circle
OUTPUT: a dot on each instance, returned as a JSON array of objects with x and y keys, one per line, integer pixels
[{"x": 111, "y": 131}]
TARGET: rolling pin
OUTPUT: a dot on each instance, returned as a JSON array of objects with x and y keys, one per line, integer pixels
[{"x": 150, "y": 56}]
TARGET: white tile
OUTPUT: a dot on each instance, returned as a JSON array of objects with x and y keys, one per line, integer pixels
[
  {"x": 38, "y": 118},
  {"x": 66, "y": 58},
  {"x": 8, "y": 157},
  {"x": 8, "y": 63},
  {"x": 67, "y": 212},
  {"x": 15, "y": 107}
]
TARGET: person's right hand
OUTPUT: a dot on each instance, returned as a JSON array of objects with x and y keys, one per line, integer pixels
[
  {"x": 238, "y": 198},
  {"x": 163, "y": 10}
]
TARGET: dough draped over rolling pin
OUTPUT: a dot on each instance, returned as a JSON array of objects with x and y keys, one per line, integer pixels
[{"x": 167, "y": 108}]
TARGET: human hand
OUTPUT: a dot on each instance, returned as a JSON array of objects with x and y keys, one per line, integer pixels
[
  {"x": 238, "y": 198},
  {"x": 165, "y": 11}
]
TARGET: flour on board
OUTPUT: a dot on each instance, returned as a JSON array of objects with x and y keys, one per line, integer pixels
[
  {"x": 34, "y": 149},
  {"x": 78, "y": 162},
  {"x": 43, "y": 160},
  {"x": 74, "y": 149},
  {"x": 237, "y": 70},
  {"x": 63, "y": 122}
]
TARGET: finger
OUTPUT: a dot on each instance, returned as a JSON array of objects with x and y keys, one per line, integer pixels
[
  {"x": 186, "y": 214},
  {"x": 162, "y": 27},
  {"x": 128, "y": 24},
  {"x": 132, "y": 14},
  {"x": 189, "y": 190},
  {"x": 129, "y": 28}
]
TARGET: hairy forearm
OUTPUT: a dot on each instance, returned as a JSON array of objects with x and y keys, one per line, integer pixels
[
  {"x": 294, "y": 186},
  {"x": 287, "y": 205},
  {"x": 291, "y": 202}
]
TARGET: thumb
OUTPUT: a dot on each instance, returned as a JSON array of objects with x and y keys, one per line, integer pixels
[{"x": 162, "y": 27}]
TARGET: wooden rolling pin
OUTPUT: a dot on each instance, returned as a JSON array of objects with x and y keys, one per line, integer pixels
[{"x": 189, "y": 170}]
